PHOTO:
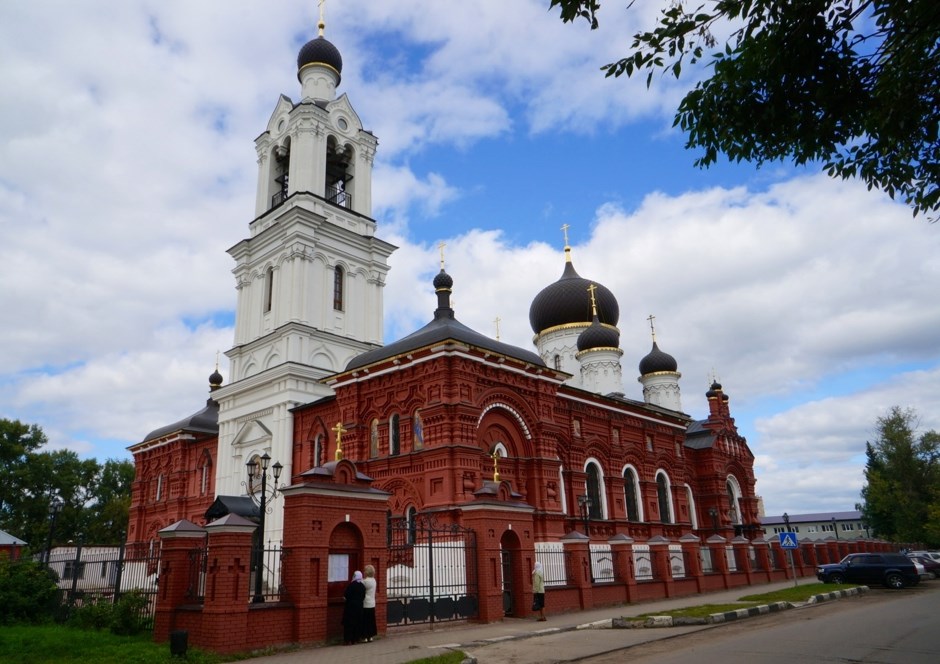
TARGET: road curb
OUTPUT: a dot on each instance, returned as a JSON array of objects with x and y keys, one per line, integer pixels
[
  {"x": 837, "y": 594},
  {"x": 654, "y": 622},
  {"x": 750, "y": 612}
]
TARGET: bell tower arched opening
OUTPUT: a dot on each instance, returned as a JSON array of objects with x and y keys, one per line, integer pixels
[
  {"x": 279, "y": 172},
  {"x": 339, "y": 160}
]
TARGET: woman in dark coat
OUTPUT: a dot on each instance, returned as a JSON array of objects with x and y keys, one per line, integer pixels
[{"x": 352, "y": 611}]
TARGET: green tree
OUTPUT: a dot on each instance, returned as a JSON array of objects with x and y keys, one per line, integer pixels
[
  {"x": 901, "y": 496},
  {"x": 17, "y": 441},
  {"x": 106, "y": 517},
  {"x": 95, "y": 498},
  {"x": 44, "y": 475},
  {"x": 853, "y": 84}
]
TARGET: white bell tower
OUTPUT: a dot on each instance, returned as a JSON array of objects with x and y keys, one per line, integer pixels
[{"x": 309, "y": 277}]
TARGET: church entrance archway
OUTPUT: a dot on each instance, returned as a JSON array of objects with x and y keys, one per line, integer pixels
[{"x": 510, "y": 551}]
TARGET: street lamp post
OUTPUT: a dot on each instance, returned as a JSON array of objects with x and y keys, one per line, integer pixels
[
  {"x": 253, "y": 467},
  {"x": 54, "y": 508},
  {"x": 713, "y": 513},
  {"x": 584, "y": 503}
]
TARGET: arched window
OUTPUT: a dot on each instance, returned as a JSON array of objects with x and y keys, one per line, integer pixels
[
  {"x": 562, "y": 489},
  {"x": 631, "y": 494},
  {"x": 595, "y": 489},
  {"x": 665, "y": 499},
  {"x": 338, "y": 277},
  {"x": 204, "y": 474},
  {"x": 374, "y": 438},
  {"x": 268, "y": 289},
  {"x": 691, "y": 500},
  {"x": 734, "y": 500},
  {"x": 412, "y": 518},
  {"x": 254, "y": 480},
  {"x": 417, "y": 430},
  {"x": 317, "y": 450},
  {"x": 159, "y": 488},
  {"x": 557, "y": 362},
  {"x": 394, "y": 442}
]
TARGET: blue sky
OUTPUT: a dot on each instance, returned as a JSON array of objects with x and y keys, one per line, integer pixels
[{"x": 127, "y": 168}]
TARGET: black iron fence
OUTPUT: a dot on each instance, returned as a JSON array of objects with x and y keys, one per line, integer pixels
[
  {"x": 432, "y": 574},
  {"x": 92, "y": 574},
  {"x": 339, "y": 196},
  {"x": 706, "y": 556},
  {"x": 602, "y": 564},
  {"x": 644, "y": 564},
  {"x": 272, "y": 581},
  {"x": 678, "y": 563}
]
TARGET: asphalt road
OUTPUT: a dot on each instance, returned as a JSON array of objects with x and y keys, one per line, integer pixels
[{"x": 882, "y": 626}]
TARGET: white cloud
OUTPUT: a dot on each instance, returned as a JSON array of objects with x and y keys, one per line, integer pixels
[
  {"x": 815, "y": 451},
  {"x": 127, "y": 169}
]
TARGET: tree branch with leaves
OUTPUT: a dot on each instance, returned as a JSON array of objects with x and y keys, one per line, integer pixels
[{"x": 853, "y": 85}]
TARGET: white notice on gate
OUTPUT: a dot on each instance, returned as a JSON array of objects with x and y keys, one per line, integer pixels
[{"x": 339, "y": 567}]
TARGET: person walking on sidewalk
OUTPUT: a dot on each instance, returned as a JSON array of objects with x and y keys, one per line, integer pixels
[
  {"x": 369, "y": 629},
  {"x": 538, "y": 591}
]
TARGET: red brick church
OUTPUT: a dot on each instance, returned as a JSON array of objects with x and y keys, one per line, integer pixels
[{"x": 441, "y": 426}]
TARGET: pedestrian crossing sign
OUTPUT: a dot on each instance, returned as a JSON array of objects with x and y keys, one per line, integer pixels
[{"x": 789, "y": 541}]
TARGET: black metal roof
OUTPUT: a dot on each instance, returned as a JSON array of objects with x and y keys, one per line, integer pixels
[
  {"x": 240, "y": 505},
  {"x": 697, "y": 437},
  {"x": 443, "y": 327},
  {"x": 205, "y": 421}
]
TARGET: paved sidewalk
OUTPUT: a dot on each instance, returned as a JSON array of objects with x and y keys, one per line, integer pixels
[{"x": 562, "y": 638}]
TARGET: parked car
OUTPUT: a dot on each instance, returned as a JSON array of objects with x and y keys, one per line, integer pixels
[
  {"x": 931, "y": 566},
  {"x": 933, "y": 555},
  {"x": 893, "y": 570}
]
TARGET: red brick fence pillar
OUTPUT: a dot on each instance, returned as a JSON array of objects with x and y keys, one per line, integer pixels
[{"x": 178, "y": 540}]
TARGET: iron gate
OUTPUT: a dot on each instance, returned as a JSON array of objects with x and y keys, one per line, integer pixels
[
  {"x": 432, "y": 572},
  {"x": 505, "y": 556}
]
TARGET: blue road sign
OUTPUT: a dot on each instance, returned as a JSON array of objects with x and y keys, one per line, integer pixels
[{"x": 789, "y": 541}]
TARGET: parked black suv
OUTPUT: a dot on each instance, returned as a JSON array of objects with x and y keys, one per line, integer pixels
[{"x": 891, "y": 569}]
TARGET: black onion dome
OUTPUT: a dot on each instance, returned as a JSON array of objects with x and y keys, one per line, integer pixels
[
  {"x": 568, "y": 301},
  {"x": 714, "y": 390},
  {"x": 598, "y": 336},
  {"x": 656, "y": 361},
  {"x": 443, "y": 280},
  {"x": 215, "y": 379},
  {"x": 319, "y": 51}
]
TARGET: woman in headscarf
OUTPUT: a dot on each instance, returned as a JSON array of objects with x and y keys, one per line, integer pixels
[
  {"x": 352, "y": 611},
  {"x": 538, "y": 591}
]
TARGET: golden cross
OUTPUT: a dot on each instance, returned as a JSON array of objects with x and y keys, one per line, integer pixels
[
  {"x": 565, "y": 230},
  {"x": 322, "y": 24},
  {"x": 495, "y": 456},
  {"x": 651, "y": 318},
  {"x": 497, "y": 327},
  {"x": 339, "y": 431},
  {"x": 441, "y": 246},
  {"x": 216, "y": 360},
  {"x": 591, "y": 290}
]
